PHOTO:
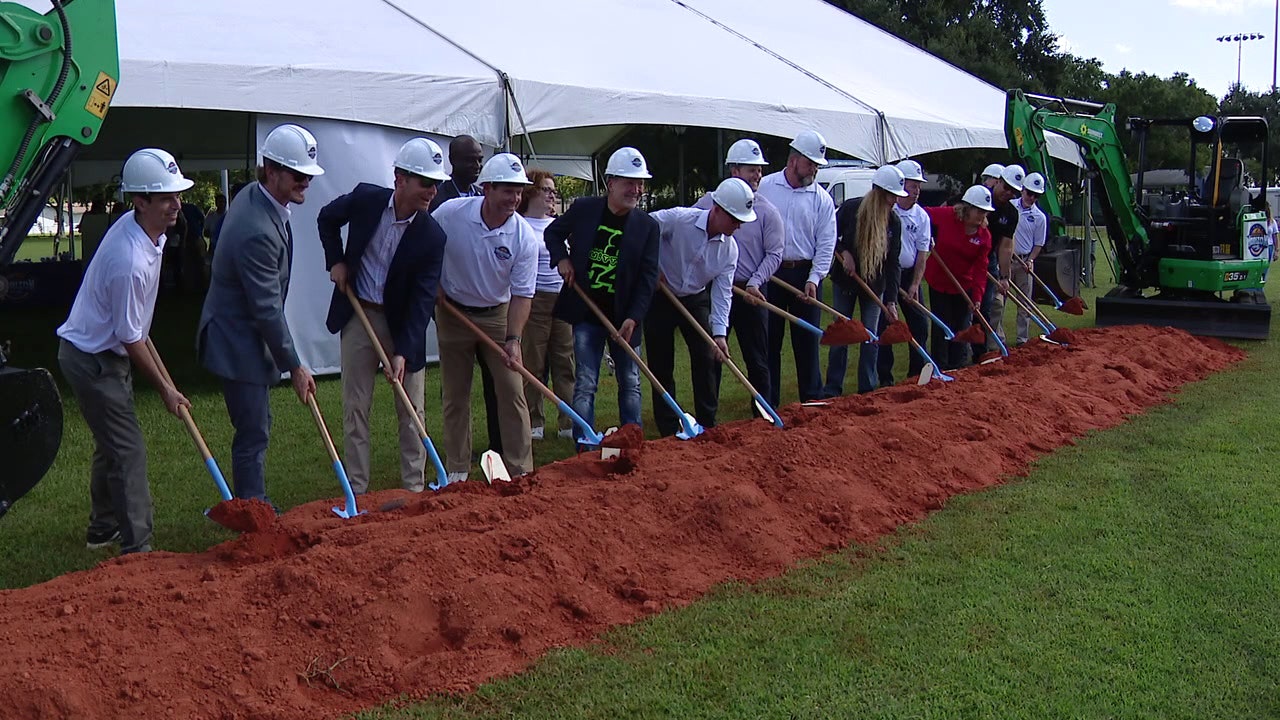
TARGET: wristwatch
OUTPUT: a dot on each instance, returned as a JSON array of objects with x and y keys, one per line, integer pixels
[{"x": 513, "y": 337}]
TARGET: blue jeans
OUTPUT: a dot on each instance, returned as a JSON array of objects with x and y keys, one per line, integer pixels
[
  {"x": 588, "y": 350},
  {"x": 844, "y": 298}
]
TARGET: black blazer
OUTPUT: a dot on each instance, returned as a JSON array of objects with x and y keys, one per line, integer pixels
[
  {"x": 638, "y": 271},
  {"x": 409, "y": 296}
]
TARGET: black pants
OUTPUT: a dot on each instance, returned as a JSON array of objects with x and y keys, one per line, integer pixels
[
  {"x": 803, "y": 344},
  {"x": 660, "y": 335},
  {"x": 751, "y": 324},
  {"x": 987, "y": 307},
  {"x": 919, "y": 324},
  {"x": 952, "y": 309}
]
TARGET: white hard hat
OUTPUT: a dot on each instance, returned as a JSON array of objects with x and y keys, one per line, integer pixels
[
  {"x": 152, "y": 170},
  {"x": 421, "y": 156},
  {"x": 1013, "y": 176},
  {"x": 993, "y": 170},
  {"x": 745, "y": 152},
  {"x": 293, "y": 146},
  {"x": 734, "y": 196},
  {"x": 812, "y": 145},
  {"x": 979, "y": 196},
  {"x": 627, "y": 162},
  {"x": 503, "y": 168},
  {"x": 1034, "y": 183},
  {"x": 890, "y": 179},
  {"x": 911, "y": 170}
]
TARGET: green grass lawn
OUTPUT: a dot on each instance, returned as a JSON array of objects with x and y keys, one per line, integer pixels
[
  {"x": 1132, "y": 575},
  {"x": 38, "y": 247}
]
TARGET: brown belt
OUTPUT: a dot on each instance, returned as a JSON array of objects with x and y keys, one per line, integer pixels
[
  {"x": 790, "y": 264},
  {"x": 370, "y": 305}
]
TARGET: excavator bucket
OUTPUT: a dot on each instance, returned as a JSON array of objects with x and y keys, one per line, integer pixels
[
  {"x": 1059, "y": 267},
  {"x": 30, "y": 430},
  {"x": 1242, "y": 317}
]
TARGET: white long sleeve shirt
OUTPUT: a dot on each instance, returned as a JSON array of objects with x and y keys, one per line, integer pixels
[
  {"x": 117, "y": 299},
  {"x": 690, "y": 260},
  {"x": 484, "y": 267},
  {"x": 809, "y": 218}
]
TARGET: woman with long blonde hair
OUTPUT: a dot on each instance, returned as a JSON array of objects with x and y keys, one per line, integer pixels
[{"x": 868, "y": 242}]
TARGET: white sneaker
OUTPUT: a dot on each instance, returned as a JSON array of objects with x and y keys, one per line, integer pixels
[
  {"x": 536, "y": 433},
  {"x": 457, "y": 477},
  {"x": 567, "y": 433}
]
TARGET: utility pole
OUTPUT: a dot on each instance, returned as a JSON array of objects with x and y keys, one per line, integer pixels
[{"x": 1275, "y": 46}]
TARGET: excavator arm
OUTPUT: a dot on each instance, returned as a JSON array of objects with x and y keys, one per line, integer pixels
[
  {"x": 58, "y": 73},
  {"x": 1027, "y": 117}
]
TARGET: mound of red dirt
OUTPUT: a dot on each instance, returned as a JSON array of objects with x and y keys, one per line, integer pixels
[
  {"x": 1073, "y": 306},
  {"x": 896, "y": 332},
  {"x": 972, "y": 335},
  {"x": 243, "y": 515},
  {"x": 845, "y": 332},
  {"x": 317, "y": 616}
]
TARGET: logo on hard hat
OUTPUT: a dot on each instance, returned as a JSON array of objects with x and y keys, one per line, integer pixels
[
  {"x": 637, "y": 162},
  {"x": 515, "y": 167},
  {"x": 822, "y": 149},
  {"x": 437, "y": 158},
  {"x": 755, "y": 150},
  {"x": 750, "y": 203},
  {"x": 311, "y": 151},
  {"x": 172, "y": 168}
]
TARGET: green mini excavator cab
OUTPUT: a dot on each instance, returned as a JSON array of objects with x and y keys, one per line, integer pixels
[
  {"x": 58, "y": 73},
  {"x": 1191, "y": 257}
]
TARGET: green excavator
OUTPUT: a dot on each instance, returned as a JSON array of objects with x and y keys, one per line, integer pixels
[
  {"x": 1192, "y": 256},
  {"x": 59, "y": 71}
]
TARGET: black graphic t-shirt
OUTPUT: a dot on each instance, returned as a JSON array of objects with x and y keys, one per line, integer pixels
[{"x": 602, "y": 271}]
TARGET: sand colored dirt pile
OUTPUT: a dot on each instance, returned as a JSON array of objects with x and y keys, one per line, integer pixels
[{"x": 317, "y": 616}]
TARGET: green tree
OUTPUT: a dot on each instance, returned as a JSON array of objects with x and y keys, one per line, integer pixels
[
  {"x": 1151, "y": 96},
  {"x": 1239, "y": 101}
]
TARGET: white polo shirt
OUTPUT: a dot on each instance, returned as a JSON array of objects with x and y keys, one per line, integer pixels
[
  {"x": 690, "y": 260},
  {"x": 484, "y": 267},
  {"x": 917, "y": 234},
  {"x": 809, "y": 219},
  {"x": 1032, "y": 230},
  {"x": 117, "y": 299},
  {"x": 371, "y": 281}
]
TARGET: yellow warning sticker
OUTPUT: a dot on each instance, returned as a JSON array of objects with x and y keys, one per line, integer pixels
[{"x": 100, "y": 97}]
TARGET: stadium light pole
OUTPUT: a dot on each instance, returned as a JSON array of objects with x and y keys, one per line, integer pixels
[{"x": 1239, "y": 39}]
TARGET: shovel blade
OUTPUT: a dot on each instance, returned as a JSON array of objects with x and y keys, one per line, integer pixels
[
  {"x": 691, "y": 427},
  {"x": 494, "y": 468}
]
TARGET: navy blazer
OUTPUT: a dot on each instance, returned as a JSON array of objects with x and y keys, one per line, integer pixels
[
  {"x": 243, "y": 334},
  {"x": 409, "y": 295},
  {"x": 637, "y": 277}
]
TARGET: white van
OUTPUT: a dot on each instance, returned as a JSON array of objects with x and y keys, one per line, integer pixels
[{"x": 846, "y": 179}]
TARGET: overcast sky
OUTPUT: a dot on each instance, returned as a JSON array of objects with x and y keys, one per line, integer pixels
[{"x": 1167, "y": 36}]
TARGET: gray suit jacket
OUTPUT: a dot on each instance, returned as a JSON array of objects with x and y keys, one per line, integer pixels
[{"x": 243, "y": 335}]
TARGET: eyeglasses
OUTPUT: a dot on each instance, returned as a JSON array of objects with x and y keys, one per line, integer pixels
[
  {"x": 427, "y": 182},
  {"x": 297, "y": 176},
  {"x": 548, "y": 190}
]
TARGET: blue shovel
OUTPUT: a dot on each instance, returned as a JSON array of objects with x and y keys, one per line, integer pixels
[
  {"x": 350, "y": 510},
  {"x": 688, "y": 316},
  {"x": 442, "y": 477},
  {"x": 589, "y": 435},
  {"x": 688, "y": 424},
  {"x": 946, "y": 331},
  {"x": 209, "y": 463}
]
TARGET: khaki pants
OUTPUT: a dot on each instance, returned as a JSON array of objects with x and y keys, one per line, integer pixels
[
  {"x": 458, "y": 349},
  {"x": 548, "y": 341},
  {"x": 1022, "y": 279},
  {"x": 360, "y": 370}
]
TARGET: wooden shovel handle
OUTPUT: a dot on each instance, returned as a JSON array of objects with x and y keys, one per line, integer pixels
[
  {"x": 183, "y": 411},
  {"x": 617, "y": 338},
  {"x": 801, "y": 294},
  {"x": 705, "y": 336}
]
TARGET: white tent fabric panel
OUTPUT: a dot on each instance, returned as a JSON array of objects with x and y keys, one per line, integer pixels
[
  {"x": 359, "y": 60},
  {"x": 627, "y": 62},
  {"x": 928, "y": 104}
]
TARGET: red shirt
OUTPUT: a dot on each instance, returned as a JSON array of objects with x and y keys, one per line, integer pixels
[{"x": 964, "y": 254}]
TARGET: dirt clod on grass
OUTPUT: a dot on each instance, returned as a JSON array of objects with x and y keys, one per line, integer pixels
[
  {"x": 317, "y": 617},
  {"x": 1062, "y": 335},
  {"x": 1073, "y": 306}
]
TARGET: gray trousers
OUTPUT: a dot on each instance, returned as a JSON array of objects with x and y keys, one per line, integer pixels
[{"x": 118, "y": 489}]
